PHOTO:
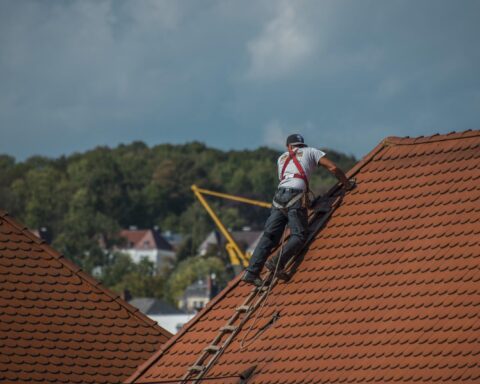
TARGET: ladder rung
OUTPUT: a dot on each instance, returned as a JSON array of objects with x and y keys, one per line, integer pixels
[
  {"x": 228, "y": 328},
  {"x": 243, "y": 308},
  {"x": 196, "y": 368},
  {"x": 257, "y": 289},
  {"x": 212, "y": 348}
]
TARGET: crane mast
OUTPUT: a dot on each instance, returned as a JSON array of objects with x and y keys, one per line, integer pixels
[{"x": 238, "y": 258}]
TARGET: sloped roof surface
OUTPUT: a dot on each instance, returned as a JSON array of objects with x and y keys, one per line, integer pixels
[
  {"x": 388, "y": 291},
  {"x": 58, "y": 324}
]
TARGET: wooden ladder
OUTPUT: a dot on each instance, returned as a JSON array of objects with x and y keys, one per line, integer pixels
[{"x": 227, "y": 333}]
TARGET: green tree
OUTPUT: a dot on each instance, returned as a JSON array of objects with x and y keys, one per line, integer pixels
[
  {"x": 99, "y": 174},
  {"x": 7, "y": 165},
  {"x": 44, "y": 195},
  {"x": 141, "y": 279},
  {"x": 84, "y": 229},
  {"x": 191, "y": 270},
  {"x": 185, "y": 250}
]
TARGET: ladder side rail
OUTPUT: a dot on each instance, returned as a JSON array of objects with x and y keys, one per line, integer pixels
[
  {"x": 227, "y": 342},
  {"x": 220, "y": 334},
  {"x": 235, "y": 333}
]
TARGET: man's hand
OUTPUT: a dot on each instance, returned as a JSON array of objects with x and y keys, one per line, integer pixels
[{"x": 351, "y": 184}]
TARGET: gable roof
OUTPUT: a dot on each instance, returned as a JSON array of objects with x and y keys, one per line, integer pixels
[
  {"x": 154, "y": 306},
  {"x": 245, "y": 239},
  {"x": 145, "y": 239},
  {"x": 60, "y": 325},
  {"x": 388, "y": 290}
]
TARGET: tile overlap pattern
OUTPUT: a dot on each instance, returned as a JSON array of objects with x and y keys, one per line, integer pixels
[
  {"x": 388, "y": 292},
  {"x": 58, "y": 325}
]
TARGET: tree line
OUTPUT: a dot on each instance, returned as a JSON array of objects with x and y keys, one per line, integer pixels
[{"x": 85, "y": 197}]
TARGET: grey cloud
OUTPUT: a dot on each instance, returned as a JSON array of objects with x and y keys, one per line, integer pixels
[{"x": 234, "y": 74}]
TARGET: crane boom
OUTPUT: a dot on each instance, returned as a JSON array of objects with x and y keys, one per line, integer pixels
[
  {"x": 233, "y": 197},
  {"x": 237, "y": 257}
]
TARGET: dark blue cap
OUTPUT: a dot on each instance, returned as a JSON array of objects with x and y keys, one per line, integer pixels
[{"x": 295, "y": 139}]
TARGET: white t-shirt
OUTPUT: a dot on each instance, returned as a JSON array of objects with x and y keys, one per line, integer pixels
[{"x": 308, "y": 158}]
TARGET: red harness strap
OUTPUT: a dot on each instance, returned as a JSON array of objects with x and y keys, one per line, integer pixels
[{"x": 292, "y": 155}]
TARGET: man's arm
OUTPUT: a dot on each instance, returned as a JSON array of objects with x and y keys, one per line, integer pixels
[{"x": 337, "y": 172}]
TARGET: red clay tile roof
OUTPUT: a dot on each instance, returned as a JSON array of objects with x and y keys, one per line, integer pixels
[
  {"x": 388, "y": 291},
  {"x": 58, "y": 325}
]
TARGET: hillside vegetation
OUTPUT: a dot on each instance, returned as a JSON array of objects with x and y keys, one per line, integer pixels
[{"x": 87, "y": 196}]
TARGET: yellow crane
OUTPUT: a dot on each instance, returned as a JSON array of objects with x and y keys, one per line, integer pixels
[{"x": 238, "y": 258}]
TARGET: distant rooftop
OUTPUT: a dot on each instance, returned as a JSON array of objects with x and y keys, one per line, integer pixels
[
  {"x": 154, "y": 306},
  {"x": 145, "y": 239},
  {"x": 245, "y": 239}
]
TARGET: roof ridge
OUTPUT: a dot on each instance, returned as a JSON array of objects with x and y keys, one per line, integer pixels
[
  {"x": 407, "y": 140},
  {"x": 83, "y": 275},
  {"x": 233, "y": 283}
]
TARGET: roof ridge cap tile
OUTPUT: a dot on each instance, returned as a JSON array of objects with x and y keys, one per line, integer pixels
[
  {"x": 396, "y": 140},
  {"x": 83, "y": 275}
]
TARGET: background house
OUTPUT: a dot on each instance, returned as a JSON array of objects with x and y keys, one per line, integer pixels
[
  {"x": 214, "y": 242},
  {"x": 167, "y": 316},
  {"x": 198, "y": 294},
  {"x": 175, "y": 239},
  {"x": 147, "y": 243},
  {"x": 43, "y": 233}
]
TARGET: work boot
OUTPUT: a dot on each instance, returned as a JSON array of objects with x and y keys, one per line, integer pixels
[
  {"x": 282, "y": 275},
  {"x": 252, "y": 278},
  {"x": 271, "y": 265}
]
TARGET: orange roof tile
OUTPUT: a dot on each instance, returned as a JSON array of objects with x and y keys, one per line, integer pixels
[
  {"x": 388, "y": 290},
  {"x": 58, "y": 324}
]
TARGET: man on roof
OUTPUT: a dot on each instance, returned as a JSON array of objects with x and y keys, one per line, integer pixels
[{"x": 290, "y": 204}]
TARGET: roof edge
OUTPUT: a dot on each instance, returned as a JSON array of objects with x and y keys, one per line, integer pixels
[
  {"x": 83, "y": 275},
  {"x": 395, "y": 140}
]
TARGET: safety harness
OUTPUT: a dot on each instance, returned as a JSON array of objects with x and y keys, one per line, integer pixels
[{"x": 292, "y": 155}]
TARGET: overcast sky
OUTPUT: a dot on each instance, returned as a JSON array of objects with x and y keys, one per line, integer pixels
[{"x": 234, "y": 74}]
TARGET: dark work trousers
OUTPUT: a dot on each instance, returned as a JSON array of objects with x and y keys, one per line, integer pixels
[{"x": 295, "y": 217}]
